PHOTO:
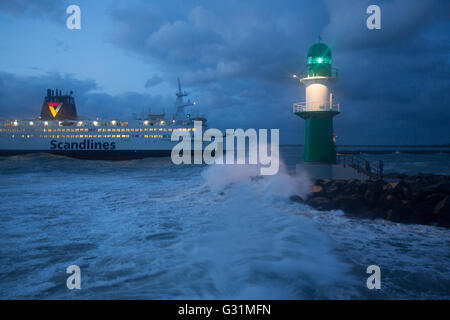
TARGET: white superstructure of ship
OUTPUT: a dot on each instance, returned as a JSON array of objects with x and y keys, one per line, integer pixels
[{"x": 59, "y": 130}]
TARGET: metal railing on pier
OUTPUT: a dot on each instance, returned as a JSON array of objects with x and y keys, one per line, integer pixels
[{"x": 374, "y": 170}]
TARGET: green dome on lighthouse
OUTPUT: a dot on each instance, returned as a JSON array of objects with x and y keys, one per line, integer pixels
[{"x": 319, "y": 60}]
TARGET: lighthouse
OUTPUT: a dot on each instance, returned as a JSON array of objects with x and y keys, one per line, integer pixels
[{"x": 319, "y": 108}]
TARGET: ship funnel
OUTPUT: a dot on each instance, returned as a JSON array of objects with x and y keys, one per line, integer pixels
[{"x": 58, "y": 107}]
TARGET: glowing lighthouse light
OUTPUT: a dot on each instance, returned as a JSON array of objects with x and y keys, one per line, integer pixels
[{"x": 319, "y": 108}]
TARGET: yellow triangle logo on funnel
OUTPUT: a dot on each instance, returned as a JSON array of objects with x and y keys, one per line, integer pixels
[{"x": 53, "y": 110}]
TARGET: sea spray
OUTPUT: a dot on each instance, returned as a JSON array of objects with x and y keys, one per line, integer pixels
[
  {"x": 217, "y": 177},
  {"x": 254, "y": 250}
]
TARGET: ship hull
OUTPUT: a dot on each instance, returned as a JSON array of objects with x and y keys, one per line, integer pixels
[{"x": 114, "y": 155}]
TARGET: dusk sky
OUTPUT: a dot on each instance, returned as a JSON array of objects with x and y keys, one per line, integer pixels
[{"x": 236, "y": 58}]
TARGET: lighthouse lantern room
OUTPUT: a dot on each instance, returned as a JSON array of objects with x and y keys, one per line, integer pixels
[{"x": 319, "y": 108}]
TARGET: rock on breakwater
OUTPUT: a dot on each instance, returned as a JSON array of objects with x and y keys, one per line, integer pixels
[{"x": 420, "y": 199}]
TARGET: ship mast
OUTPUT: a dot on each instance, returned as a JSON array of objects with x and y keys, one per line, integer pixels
[{"x": 180, "y": 104}]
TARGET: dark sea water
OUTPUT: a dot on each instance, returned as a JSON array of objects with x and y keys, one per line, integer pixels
[{"x": 148, "y": 229}]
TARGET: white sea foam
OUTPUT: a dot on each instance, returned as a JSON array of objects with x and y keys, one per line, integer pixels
[
  {"x": 259, "y": 251},
  {"x": 150, "y": 229}
]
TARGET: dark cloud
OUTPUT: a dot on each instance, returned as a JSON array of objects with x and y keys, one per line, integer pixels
[
  {"x": 401, "y": 21},
  {"x": 21, "y": 97},
  {"x": 153, "y": 81},
  {"x": 35, "y": 9},
  {"x": 237, "y": 59}
]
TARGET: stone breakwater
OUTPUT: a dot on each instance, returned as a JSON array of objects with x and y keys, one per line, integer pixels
[{"x": 420, "y": 199}]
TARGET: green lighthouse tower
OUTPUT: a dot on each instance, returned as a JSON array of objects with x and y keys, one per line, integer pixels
[{"x": 319, "y": 108}]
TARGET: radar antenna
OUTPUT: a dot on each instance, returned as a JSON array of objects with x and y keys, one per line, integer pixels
[
  {"x": 180, "y": 93},
  {"x": 180, "y": 104}
]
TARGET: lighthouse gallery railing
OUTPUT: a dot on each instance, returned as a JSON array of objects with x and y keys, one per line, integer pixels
[{"x": 311, "y": 106}]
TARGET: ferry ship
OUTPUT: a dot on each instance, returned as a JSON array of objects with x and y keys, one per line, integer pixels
[{"x": 60, "y": 131}]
